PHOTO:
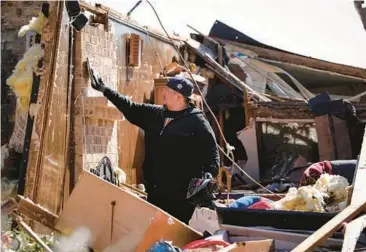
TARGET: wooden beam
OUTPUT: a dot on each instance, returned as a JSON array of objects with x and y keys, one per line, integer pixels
[
  {"x": 246, "y": 107},
  {"x": 32, "y": 234},
  {"x": 279, "y": 120},
  {"x": 221, "y": 140},
  {"x": 354, "y": 228},
  {"x": 92, "y": 9},
  {"x": 300, "y": 60},
  {"x": 353, "y": 231},
  {"x": 359, "y": 188},
  {"x": 326, "y": 231},
  {"x": 34, "y": 212},
  {"x": 238, "y": 83}
]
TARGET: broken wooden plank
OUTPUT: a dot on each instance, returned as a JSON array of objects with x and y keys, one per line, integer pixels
[
  {"x": 35, "y": 212},
  {"x": 238, "y": 83},
  {"x": 353, "y": 231},
  {"x": 326, "y": 231},
  {"x": 359, "y": 188},
  {"x": 90, "y": 206},
  {"x": 354, "y": 228},
  {"x": 30, "y": 232},
  {"x": 298, "y": 59}
]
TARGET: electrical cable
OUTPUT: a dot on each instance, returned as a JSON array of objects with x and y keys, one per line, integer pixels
[
  {"x": 229, "y": 148},
  {"x": 156, "y": 53}
]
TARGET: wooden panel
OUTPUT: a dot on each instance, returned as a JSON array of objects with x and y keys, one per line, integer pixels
[
  {"x": 342, "y": 139},
  {"x": 53, "y": 165},
  {"x": 133, "y": 220},
  {"x": 325, "y": 139},
  {"x": 333, "y": 138},
  {"x": 44, "y": 126}
]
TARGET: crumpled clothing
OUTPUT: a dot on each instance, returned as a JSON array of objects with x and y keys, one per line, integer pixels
[
  {"x": 264, "y": 205},
  {"x": 252, "y": 202},
  {"x": 313, "y": 173}
]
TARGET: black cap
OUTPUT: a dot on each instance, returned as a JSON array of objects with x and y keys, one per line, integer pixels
[{"x": 181, "y": 85}]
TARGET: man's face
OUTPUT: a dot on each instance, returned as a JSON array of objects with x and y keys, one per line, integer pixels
[{"x": 171, "y": 97}]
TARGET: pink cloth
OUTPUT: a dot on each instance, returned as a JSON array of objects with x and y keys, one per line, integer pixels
[{"x": 311, "y": 174}]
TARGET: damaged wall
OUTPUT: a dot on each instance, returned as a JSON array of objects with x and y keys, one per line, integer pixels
[
  {"x": 101, "y": 128},
  {"x": 14, "y": 14},
  {"x": 107, "y": 132},
  {"x": 47, "y": 164}
]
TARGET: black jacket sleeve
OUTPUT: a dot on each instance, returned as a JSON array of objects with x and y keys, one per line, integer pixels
[
  {"x": 207, "y": 148},
  {"x": 139, "y": 114}
]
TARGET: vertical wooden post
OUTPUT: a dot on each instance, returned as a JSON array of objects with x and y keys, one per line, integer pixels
[
  {"x": 220, "y": 56},
  {"x": 221, "y": 140},
  {"x": 246, "y": 106}
]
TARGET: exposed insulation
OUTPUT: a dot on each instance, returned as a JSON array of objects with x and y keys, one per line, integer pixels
[
  {"x": 21, "y": 82},
  {"x": 306, "y": 198},
  {"x": 330, "y": 188},
  {"x": 35, "y": 24},
  {"x": 333, "y": 185},
  {"x": 22, "y": 78}
]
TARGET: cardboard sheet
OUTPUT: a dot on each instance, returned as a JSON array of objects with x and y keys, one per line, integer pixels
[{"x": 136, "y": 223}]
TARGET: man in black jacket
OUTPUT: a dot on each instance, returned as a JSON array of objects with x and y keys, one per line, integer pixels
[{"x": 179, "y": 144}]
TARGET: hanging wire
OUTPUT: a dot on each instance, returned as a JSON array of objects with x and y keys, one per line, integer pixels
[
  {"x": 229, "y": 154},
  {"x": 156, "y": 53}
]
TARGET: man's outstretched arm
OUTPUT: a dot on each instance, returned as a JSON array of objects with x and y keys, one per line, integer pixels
[{"x": 139, "y": 114}]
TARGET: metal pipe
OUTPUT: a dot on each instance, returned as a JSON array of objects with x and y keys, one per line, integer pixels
[{"x": 134, "y": 7}]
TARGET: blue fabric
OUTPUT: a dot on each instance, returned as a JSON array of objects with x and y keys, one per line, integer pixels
[
  {"x": 247, "y": 201},
  {"x": 163, "y": 246}
]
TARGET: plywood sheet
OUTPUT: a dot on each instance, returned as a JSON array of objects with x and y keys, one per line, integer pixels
[
  {"x": 89, "y": 206},
  {"x": 342, "y": 139},
  {"x": 50, "y": 187}
]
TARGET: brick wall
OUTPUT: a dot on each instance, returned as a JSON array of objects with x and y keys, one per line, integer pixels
[
  {"x": 101, "y": 117},
  {"x": 14, "y": 14}
]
